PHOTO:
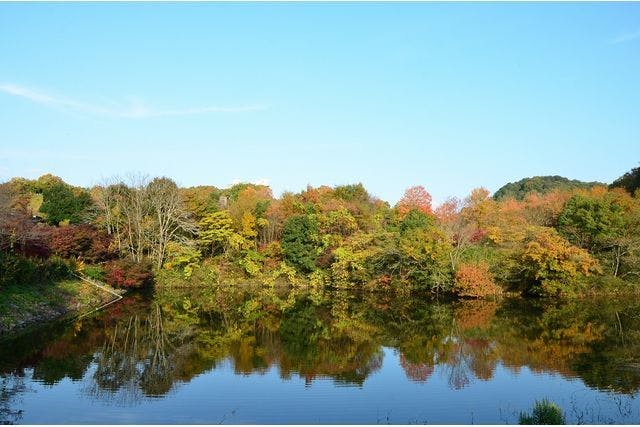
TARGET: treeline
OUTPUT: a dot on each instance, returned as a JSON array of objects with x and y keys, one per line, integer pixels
[{"x": 561, "y": 241}]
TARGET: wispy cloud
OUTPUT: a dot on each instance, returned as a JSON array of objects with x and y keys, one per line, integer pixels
[
  {"x": 132, "y": 109},
  {"x": 259, "y": 181},
  {"x": 627, "y": 37}
]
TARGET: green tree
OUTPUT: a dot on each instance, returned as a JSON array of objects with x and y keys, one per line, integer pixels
[
  {"x": 415, "y": 219},
  {"x": 415, "y": 254},
  {"x": 63, "y": 203},
  {"x": 352, "y": 192},
  {"x": 215, "y": 230},
  {"x": 548, "y": 265},
  {"x": 182, "y": 256},
  {"x": 630, "y": 181},
  {"x": 299, "y": 234},
  {"x": 352, "y": 260},
  {"x": 608, "y": 225},
  {"x": 590, "y": 221}
]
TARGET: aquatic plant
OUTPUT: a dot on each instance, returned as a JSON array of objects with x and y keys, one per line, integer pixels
[{"x": 544, "y": 412}]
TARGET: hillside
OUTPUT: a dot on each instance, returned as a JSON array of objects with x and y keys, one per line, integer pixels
[{"x": 539, "y": 184}]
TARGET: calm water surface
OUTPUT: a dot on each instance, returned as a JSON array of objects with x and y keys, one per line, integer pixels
[{"x": 228, "y": 355}]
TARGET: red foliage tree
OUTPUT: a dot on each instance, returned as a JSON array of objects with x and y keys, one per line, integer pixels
[
  {"x": 125, "y": 273},
  {"x": 415, "y": 198},
  {"x": 81, "y": 241},
  {"x": 19, "y": 233},
  {"x": 448, "y": 211}
]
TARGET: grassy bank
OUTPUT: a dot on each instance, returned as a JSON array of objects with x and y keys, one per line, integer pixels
[{"x": 22, "y": 306}]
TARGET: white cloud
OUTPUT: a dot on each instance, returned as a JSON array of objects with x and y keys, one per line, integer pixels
[
  {"x": 133, "y": 109},
  {"x": 625, "y": 37},
  {"x": 259, "y": 181}
]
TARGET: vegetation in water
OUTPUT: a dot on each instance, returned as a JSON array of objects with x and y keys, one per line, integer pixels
[{"x": 544, "y": 412}]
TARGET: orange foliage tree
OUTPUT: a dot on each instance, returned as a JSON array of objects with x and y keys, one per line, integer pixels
[
  {"x": 474, "y": 280},
  {"x": 415, "y": 198}
]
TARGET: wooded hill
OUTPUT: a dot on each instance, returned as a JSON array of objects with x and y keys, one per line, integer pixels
[{"x": 544, "y": 236}]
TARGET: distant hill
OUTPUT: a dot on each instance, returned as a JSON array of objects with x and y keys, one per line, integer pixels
[
  {"x": 539, "y": 184},
  {"x": 630, "y": 181}
]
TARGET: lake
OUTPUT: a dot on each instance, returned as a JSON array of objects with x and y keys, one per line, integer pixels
[{"x": 243, "y": 355}]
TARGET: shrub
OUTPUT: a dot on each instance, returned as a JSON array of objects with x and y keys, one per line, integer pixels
[
  {"x": 94, "y": 272},
  {"x": 474, "y": 280},
  {"x": 126, "y": 273},
  {"x": 54, "y": 268},
  {"x": 81, "y": 241},
  {"x": 19, "y": 235},
  {"x": 17, "y": 269},
  {"x": 284, "y": 270},
  {"x": 544, "y": 412}
]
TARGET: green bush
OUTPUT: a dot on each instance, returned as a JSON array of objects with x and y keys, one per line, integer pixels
[
  {"x": 54, "y": 268},
  {"x": 19, "y": 270},
  {"x": 544, "y": 412},
  {"x": 95, "y": 272}
]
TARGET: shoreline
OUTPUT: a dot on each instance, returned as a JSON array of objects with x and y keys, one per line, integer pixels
[{"x": 24, "y": 307}]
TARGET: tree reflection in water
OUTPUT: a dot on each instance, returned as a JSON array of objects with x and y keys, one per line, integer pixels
[
  {"x": 136, "y": 360},
  {"x": 11, "y": 387},
  {"x": 141, "y": 349}
]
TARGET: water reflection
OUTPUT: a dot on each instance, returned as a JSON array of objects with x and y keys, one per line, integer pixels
[
  {"x": 146, "y": 346},
  {"x": 136, "y": 360},
  {"x": 11, "y": 386}
]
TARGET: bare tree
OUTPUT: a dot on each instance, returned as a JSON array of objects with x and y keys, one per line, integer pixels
[
  {"x": 109, "y": 197},
  {"x": 171, "y": 218},
  {"x": 144, "y": 216},
  {"x": 105, "y": 199},
  {"x": 135, "y": 209},
  {"x": 457, "y": 229}
]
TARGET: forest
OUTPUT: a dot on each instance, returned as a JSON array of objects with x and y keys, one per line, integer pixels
[{"x": 539, "y": 237}]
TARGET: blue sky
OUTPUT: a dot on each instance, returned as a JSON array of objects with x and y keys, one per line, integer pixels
[{"x": 450, "y": 96}]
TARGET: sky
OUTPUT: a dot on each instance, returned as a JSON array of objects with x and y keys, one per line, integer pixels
[{"x": 451, "y": 96}]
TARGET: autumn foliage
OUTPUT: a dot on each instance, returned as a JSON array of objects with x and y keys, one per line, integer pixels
[
  {"x": 125, "y": 273},
  {"x": 550, "y": 265},
  {"x": 415, "y": 198},
  {"x": 474, "y": 280},
  {"x": 543, "y": 241},
  {"x": 81, "y": 241}
]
